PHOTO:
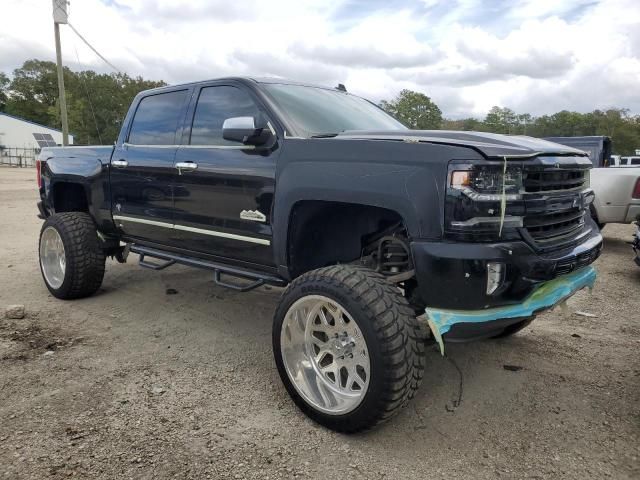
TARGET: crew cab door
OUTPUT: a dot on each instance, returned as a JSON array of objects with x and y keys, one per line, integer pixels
[
  {"x": 223, "y": 190},
  {"x": 142, "y": 168}
]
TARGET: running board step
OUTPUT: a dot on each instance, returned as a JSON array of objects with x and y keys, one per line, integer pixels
[
  {"x": 235, "y": 286},
  {"x": 154, "y": 266},
  {"x": 257, "y": 278}
]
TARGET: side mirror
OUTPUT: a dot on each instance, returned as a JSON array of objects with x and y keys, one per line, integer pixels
[{"x": 247, "y": 130}]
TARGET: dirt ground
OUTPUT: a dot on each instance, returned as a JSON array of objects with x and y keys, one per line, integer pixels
[{"x": 139, "y": 383}]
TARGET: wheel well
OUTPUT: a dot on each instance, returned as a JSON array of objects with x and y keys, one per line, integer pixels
[
  {"x": 327, "y": 233},
  {"x": 69, "y": 197}
]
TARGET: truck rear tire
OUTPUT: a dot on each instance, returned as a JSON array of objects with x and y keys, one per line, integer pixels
[
  {"x": 71, "y": 259},
  {"x": 348, "y": 347}
]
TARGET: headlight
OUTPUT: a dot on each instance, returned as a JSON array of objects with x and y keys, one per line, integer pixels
[
  {"x": 485, "y": 183},
  {"x": 474, "y": 201}
]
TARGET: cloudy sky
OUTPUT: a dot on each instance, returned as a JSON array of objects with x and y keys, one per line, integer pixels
[{"x": 536, "y": 56}]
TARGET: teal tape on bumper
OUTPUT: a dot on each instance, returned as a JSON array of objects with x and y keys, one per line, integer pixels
[{"x": 544, "y": 296}]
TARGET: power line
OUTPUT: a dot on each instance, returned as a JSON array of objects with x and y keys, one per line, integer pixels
[
  {"x": 94, "y": 50},
  {"x": 86, "y": 89}
]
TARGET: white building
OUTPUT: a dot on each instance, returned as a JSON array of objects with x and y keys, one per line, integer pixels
[{"x": 16, "y": 132}]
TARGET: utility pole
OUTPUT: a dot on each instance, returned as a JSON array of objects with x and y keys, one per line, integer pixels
[{"x": 60, "y": 16}]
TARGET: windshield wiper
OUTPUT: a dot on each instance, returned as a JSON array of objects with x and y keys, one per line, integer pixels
[{"x": 325, "y": 135}]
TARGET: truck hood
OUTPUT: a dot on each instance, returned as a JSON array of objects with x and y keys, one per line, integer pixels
[{"x": 491, "y": 145}]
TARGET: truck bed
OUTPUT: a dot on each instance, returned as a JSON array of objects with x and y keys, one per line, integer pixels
[
  {"x": 102, "y": 153},
  {"x": 613, "y": 187}
]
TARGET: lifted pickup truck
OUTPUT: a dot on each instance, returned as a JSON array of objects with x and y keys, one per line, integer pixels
[{"x": 372, "y": 227}]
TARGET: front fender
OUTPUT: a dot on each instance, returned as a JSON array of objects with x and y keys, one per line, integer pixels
[{"x": 407, "y": 178}]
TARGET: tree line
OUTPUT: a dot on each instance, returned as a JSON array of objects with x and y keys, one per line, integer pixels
[
  {"x": 417, "y": 110},
  {"x": 32, "y": 93},
  {"x": 97, "y": 104}
]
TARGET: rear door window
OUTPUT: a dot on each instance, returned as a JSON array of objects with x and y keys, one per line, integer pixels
[
  {"x": 215, "y": 105},
  {"x": 156, "y": 119}
]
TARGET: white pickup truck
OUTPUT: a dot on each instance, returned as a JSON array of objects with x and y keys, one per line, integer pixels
[
  {"x": 615, "y": 179},
  {"x": 617, "y": 194},
  {"x": 620, "y": 161}
]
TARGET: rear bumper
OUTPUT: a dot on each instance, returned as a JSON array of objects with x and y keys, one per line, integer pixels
[{"x": 463, "y": 325}]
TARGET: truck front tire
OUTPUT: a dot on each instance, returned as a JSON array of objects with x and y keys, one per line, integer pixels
[
  {"x": 348, "y": 347},
  {"x": 71, "y": 259}
]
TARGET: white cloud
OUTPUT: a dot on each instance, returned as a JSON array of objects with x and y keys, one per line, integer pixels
[
  {"x": 523, "y": 52},
  {"x": 363, "y": 56},
  {"x": 532, "y": 55}
]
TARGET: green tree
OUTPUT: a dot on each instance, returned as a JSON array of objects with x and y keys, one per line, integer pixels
[
  {"x": 568, "y": 124},
  {"x": 524, "y": 121},
  {"x": 33, "y": 90},
  {"x": 617, "y": 123},
  {"x": 96, "y": 103},
  {"x": 465, "y": 124},
  {"x": 501, "y": 120},
  {"x": 415, "y": 110},
  {"x": 623, "y": 128},
  {"x": 4, "y": 87}
]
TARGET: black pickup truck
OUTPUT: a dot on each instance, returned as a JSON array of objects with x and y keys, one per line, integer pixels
[{"x": 383, "y": 236}]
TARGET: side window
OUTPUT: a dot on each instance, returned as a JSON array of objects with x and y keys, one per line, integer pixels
[
  {"x": 215, "y": 105},
  {"x": 156, "y": 119}
]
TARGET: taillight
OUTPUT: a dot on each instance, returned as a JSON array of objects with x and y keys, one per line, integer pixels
[
  {"x": 39, "y": 173},
  {"x": 636, "y": 189}
]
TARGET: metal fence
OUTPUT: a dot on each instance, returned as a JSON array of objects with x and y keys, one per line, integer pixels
[{"x": 18, "y": 157}]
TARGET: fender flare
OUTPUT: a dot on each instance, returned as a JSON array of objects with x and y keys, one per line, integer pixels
[
  {"x": 331, "y": 182},
  {"x": 91, "y": 175}
]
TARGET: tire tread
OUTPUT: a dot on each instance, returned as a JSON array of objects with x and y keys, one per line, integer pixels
[
  {"x": 85, "y": 260},
  {"x": 400, "y": 336}
]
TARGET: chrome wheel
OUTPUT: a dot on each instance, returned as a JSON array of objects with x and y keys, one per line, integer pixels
[
  {"x": 52, "y": 257},
  {"x": 325, "y": 354}
]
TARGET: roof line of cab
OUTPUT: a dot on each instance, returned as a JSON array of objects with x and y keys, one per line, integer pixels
[{"x": 241, "y": 79}]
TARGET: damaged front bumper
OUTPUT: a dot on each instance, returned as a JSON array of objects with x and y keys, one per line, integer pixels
[
  {"x": 455, "y": 275},
  {"x": 464, "y": 325}
]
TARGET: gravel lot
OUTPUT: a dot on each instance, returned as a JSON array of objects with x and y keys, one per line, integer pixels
[{"x": 136, "y": 382}]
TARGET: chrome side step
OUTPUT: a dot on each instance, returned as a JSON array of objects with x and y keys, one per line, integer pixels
[{"x": 256, "y": 278}]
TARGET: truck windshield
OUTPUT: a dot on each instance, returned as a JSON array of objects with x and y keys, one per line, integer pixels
[{"x": 321, "y": 112}]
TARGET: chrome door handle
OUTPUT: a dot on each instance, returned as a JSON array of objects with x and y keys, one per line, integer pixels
[
  {"x": 189, "y": 166},
  {"x": 119, "y": 163}
]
